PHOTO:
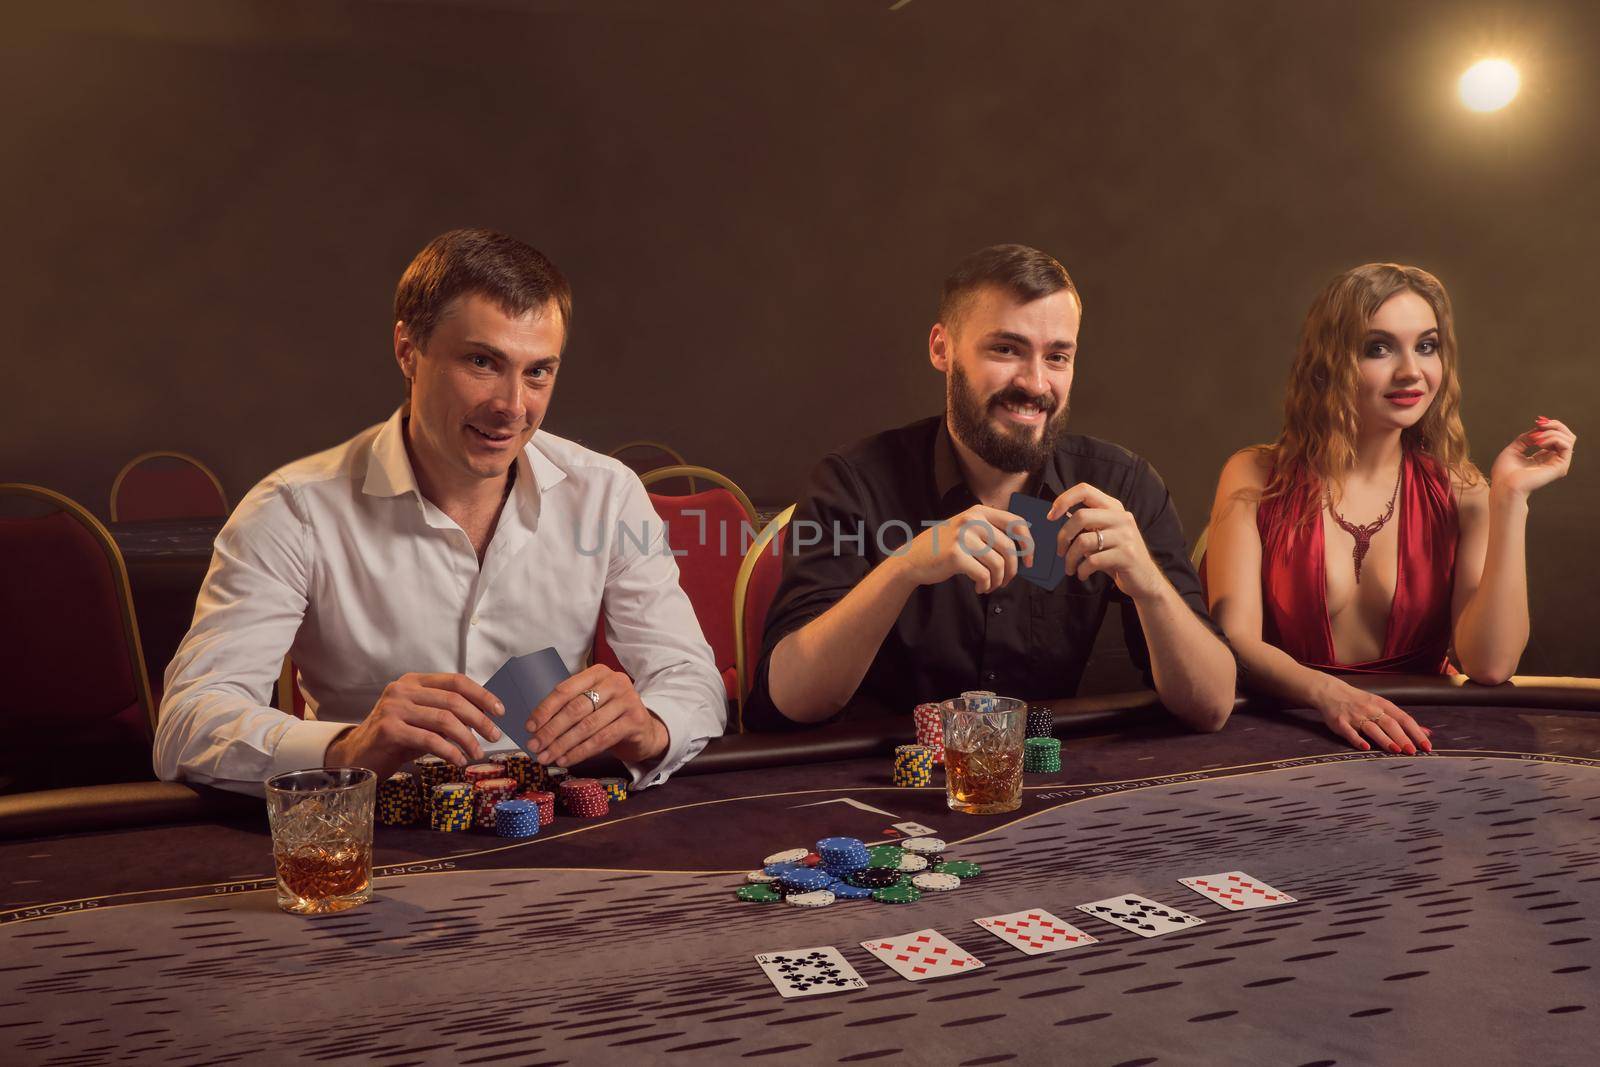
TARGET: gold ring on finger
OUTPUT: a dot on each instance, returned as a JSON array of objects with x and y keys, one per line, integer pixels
[{"x": 1375, "y": 718}]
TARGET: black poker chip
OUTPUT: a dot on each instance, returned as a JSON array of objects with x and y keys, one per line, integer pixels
[{"x": 875, "y": 877}]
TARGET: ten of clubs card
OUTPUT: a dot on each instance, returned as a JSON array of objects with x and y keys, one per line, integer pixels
[{"x": 810, "y": 972}]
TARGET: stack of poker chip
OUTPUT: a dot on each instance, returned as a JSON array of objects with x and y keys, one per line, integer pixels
[
  {"x": 979, "y": 700},
  {"x": 913, "y": 765},
  {"x": 544, "y": 802},
  {"x": 841, "y": 856},
  {"x": 516, "y": 765},
  {"x": 1041, "y": 755},
  {"x": 488, "y": 792},
  {"x": 432, "y": 771},
  {"x": 553, "y": 777},
  {"x": 616, "y": 788},
  {"x": 930, "y": 729},
  {"x": 584, "y": 797},
  {"x": 516, "y": 818},
  {"x": 450, "y": 809},
  {"x": 1041, "y": 721},
  {"x": 399, "y": 803},
  {"x": 477, "y": 772}
]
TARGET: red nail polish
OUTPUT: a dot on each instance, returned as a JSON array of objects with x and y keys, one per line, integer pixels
[
  {"x": 1394, "y": 749},
  {"x": 1410, "y": 751}
]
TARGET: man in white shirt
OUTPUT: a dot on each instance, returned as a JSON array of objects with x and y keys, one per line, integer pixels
[{"x": 405, "y": 566}]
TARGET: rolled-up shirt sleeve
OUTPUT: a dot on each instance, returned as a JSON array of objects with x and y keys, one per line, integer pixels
[
  {"x": 652, "y": 628},
  {"x": 216, "y": 725},
  {"x": 825, "y": 556},
  {"x": 1151, "y": 503}
]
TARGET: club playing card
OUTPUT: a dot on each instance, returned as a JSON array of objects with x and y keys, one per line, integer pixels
[
  {"x": 922, "y": 954},
  {"x": 1143, "y": 916},
  {"x": 1036, "y": 931},
  {"x": 1237, "y": 891},
  {"x": 810, "y": 972},
  {"x": 914, "y": 829},
  {"x": 521, "y": 684},
  {"x": 1048, "y": 568}
]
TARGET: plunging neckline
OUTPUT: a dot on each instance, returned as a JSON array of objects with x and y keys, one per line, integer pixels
[{"x": 1319, "y": 552}]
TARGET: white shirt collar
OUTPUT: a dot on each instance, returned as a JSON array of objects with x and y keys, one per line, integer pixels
[{"x": 389, "y": 472}]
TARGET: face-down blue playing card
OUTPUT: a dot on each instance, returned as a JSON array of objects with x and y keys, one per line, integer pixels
[
  {"x": 1048, "y": 568},
  {"x": 521, "y": 684}
]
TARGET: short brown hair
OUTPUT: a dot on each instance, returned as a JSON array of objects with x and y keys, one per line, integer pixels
[
  {"x": 1026, "y": 273},
  {"x": 516, "y": 276}
]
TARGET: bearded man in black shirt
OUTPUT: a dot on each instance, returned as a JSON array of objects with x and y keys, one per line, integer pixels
[{"x": 900, "y": 579}]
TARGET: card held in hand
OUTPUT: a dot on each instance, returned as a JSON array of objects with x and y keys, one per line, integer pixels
[
  {"x": 1237, "y": 891},
  {"x": 1036, "y": 931},
  {"x": 810, "y": 972},
  {"x": 520, "y": 685},
  {"x": 922, "y": 954},
  {"x": 1048, "y": 567},
  {"x": 1145, "y": 917}
]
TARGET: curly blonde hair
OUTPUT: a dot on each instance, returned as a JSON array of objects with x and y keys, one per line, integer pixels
[{"x": 1320, "y": 426}]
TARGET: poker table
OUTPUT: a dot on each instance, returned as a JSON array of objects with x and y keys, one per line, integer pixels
[{"x": 1447, "y": 909}]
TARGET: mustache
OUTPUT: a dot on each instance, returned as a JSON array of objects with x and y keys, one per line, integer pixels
[{"x": 1013, "y": 395}]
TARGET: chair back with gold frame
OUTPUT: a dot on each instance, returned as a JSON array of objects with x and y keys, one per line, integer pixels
[
  {"x": 290, "y": 698},
  {"x": 166, "y": 485},
  {"x": 753, "y": 591},
  {"x": 707, "y": 531},
  {"x": 642, "y": 457},
  {"x": 75, "y": 678},
  {"x": 1197, "y": 555}
]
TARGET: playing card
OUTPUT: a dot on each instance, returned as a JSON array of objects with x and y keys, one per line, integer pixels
[
  {"x": 1237, "y": 891},
  {"x": 913, "y": 829},
  {"x": 1143, "y": 916},
  {"x": 521, "y": 684},
  {"x": 1036, "y": 931},
  {"x": 922, "y": 954},
  {"x": 1048, "y": 568},
  {"x": 810, "y": 972}
]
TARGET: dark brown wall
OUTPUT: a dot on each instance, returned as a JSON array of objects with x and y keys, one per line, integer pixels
[{"x": 207, "y": 207}]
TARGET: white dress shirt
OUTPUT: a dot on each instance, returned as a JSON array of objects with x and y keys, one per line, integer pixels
[{"x": 338, "y": 560}]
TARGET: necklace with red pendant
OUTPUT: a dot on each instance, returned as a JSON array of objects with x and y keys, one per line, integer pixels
[{"x": 1364, "y": 534}]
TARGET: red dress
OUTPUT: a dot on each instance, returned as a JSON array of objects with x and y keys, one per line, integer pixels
[{"x": 1294, "y": 580}]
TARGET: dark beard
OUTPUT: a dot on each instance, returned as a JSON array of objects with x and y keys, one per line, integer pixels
[{"x": 1012, "y": 452}]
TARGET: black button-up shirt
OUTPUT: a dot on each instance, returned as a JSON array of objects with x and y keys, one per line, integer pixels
[{"x": 1020, "y": 641}]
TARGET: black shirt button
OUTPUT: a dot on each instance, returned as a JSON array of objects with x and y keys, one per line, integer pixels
[
  {"x": 989, "y": 677},
  {"x": 998, "y": 609}
]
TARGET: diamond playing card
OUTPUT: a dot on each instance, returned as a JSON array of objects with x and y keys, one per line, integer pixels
[
  {"x": 810, "y": 972},
  {"x": 1143, "y": 916},
  {"x": 922, "y": 954},
  {"x": 1036, "y": 931},
  {"x": 1237, "y": 891}
]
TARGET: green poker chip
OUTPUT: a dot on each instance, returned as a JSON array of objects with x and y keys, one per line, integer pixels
[
  {"x": 758, "y": 894},
  {"x": 885, "y": 856},
  {"x": 959, "y": 868},
  {"x": 902, "y": 893}
]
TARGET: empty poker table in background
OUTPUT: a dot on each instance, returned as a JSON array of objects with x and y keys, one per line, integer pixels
[{"x": 1446, "y": 909}]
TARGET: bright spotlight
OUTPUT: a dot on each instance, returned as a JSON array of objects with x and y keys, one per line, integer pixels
[{"x": 1489, "y": 85}]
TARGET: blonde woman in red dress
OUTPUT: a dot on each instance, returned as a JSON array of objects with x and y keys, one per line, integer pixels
[{"x": 1363, "y": 540}]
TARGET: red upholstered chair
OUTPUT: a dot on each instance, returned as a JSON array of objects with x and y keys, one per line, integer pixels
[
  {"x": 643, "y": 457},
  {"x": 290, "y": 698},
  {"x": 753, "y": 590},
  {"x": 166, "y": 485},
  {"x": 712, "y": 550},
  {"x": 75, "y": 707}
]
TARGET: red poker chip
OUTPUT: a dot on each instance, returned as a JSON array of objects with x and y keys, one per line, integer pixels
[{"x": 811, "y": 859}]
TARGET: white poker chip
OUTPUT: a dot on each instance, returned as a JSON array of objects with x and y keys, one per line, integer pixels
[
  {"x": 923, "y": 846},
  {"x": 788, "y": 855},
  {"x": 820, "y": 898},
  {"x": 935, "y": 881},
  {"x": 760, "y": 878},
  {"x": 911, "y": 863}
]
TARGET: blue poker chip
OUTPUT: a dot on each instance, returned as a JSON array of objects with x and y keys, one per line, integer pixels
[
  {"x": 845, "y": 891},
  {"x": 839, "y": 844},
  {"x": 806, "y": 880},
  {"x": 778, "y": 870}
]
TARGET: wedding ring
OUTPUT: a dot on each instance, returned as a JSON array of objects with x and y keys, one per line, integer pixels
[
  {"x": 1100, "y": 540},
  {"x": 594, "y": 698},
  {"x": 1375, "y": 718}
]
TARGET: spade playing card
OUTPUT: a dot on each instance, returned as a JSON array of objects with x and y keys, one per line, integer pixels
[
  {"x": 1237, "y": 891},
  {"x": 1048, "y": 567},
  {"x": 1036, "y": 931},
  {"x": 922, "y": 954},
  {"x": 914, "y": 829},
  {"x": 810, "y": 972},
  {"x": 1143, "y": 916}
]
